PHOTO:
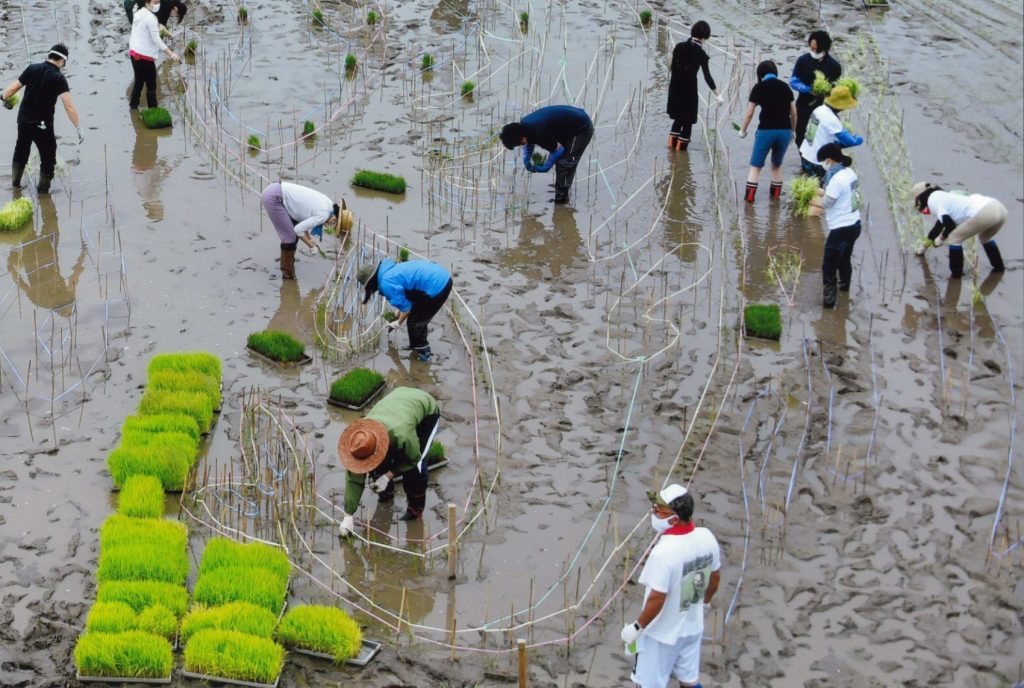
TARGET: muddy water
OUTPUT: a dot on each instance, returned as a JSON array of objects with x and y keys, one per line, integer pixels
[{"x": 880, "y": 571}]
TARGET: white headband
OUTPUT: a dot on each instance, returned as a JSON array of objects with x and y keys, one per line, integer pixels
[{"x": 63, "y": 57}]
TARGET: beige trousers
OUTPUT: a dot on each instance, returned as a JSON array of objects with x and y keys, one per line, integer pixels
[{"x": 984, "y": 225}]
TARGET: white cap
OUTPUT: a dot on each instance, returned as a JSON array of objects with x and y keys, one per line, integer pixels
[{"x": 672, "y": 493}]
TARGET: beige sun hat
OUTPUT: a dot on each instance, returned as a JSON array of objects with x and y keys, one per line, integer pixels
[{"x": 841, "y": 99}]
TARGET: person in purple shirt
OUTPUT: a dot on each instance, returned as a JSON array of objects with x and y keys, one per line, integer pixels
[
  {"x": 562, "y": 130},
  {"x": 417, "y": 288}
]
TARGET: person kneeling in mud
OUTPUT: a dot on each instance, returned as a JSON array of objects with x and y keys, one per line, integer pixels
[
  {"x": 958, "y": 217},
  {"x": 391, "y": 440}
]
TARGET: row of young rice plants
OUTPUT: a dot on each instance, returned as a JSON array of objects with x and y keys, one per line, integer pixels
[{"x": 143, "y": 567}]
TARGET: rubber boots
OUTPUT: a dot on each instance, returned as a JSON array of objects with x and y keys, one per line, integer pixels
[
  {"x": 16, "y": 173},
  {"x": 44, "y": 183},
  {"x": 775, "y": 191},
  {"x": 994, "y": 257},
  {"x": 829, "y": 291},
  {"x": 956, "y": 261},
  {"x": 288, "y": 261},
  {"x": 751, "y": 191}
]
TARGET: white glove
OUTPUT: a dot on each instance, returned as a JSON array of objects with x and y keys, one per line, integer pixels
[
  {"x": 347, "y": 526},
  {"x": 919, "y": 251},
  {"x": 394, "y": 324},
  {"x": 938, "y": 241},
  {"x": 630, "y": 632},
  {"x": 314, "y": 249},
  {"x": 719, "y": 98},
  {"x": 743, "y": 133},
  {"x": 381, "y": 483},
  {"x": 81, "y": 136}
]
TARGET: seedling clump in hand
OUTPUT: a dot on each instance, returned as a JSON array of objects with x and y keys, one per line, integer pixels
[
  {"x": 822, "y": 86},
  {"x": 763, "y": 320},
  {"x": 15, "y": 214},
  {"x": 379, "y": 181},
  {"x": 191, "y": 47},
  {"x": 403, "y": 254},
  {"x": 852, "y": 84},
  {"x": 804, "y": 189},
  {"x": 321, "y": 629},
  {"x": 356, "y": 386}
]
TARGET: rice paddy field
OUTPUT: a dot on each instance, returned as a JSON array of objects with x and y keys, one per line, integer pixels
[{"x": 862, "y": 473}]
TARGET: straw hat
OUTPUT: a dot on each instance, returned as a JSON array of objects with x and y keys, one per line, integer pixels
[
  {"x": 345, "y": 218},
  {"x": 363, "y": 445},
  {"x": 919, "y": 188},
  {"x": 366, "y": 276},
  {"x": 841, "y": 99}
]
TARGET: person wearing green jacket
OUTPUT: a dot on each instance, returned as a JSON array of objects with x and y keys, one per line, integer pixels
[{"x": 391, "y": 440}]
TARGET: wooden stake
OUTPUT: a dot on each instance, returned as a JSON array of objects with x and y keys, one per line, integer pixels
[
  {"x": 522, "y": 662},
  {"x": 452, "y": 544}
]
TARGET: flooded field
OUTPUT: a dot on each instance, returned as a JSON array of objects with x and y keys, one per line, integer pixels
[{"x": 863, "y": 475}]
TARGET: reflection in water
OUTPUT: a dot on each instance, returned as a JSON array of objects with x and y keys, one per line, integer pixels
[
  {"x": 147, "y": 172},
  {"x": 294, "y": 313},
  {"x": 449, "y": 15},
  {"x": 682, "y": 222},
  {"x": 35, "y": 264},
  {"x": 830, "y": 328},
  {"x": 545, "y": 252}
]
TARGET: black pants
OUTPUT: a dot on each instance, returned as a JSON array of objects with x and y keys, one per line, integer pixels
[
  {"x": 838, "y": 253},
  {"x": 424, "y": 308},
  {"x": 682, "y": 129},
  {"x": 45, "y": 142},
  {"x": 565, "y": 168},
  {"x": 145, "y": 75},
  {"x": 414, "y": 482}
]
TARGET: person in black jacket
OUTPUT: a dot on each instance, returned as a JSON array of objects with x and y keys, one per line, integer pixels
[
  {"x": 817, "y": 60},
  {"x": 687, "y": 58},
  {"x": 168, "y": 9},
  {"x": 562, "y": 130}
]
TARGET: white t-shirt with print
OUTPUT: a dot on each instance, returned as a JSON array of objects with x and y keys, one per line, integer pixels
[
  {"x": 960, "y": 207},
  {"x": 842, "y": 189},
  {"x": 680, "y": 566},
  {"x": 822, "y": 128}
]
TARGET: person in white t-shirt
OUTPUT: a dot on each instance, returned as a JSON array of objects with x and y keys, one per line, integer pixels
[
  {"x": 958, "y": 217},
  {"x": 825, "y": 127},
  {"x": 300, "y": 213},
  {"x": 840, "y": 199},
  {"x": 681, "y": 575}
]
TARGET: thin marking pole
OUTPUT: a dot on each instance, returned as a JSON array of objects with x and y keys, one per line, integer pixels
[{"x": 452, "y": 553}]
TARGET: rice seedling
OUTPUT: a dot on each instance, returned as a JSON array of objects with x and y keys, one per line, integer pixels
[
  {"x": 821, "y": 86},
  {"x": 243, "y": 14},
  {"x": 524, "y": 20},
  {"x": 308, "y": 129},
  {"x": 194, "y": 361},
  {"x": 234, "y": 655},
  {"x": 318, "y": 17},
  {"x": 852, "y": 84},
  {"x": 15, "y": 214},
  {"x": 258, "y": 586},
  {"x": 150, "y": 560},
  {"x": 235, "y": 616},
  {"x": 142, "y": 594},
  {"x": 155, "y": 118},
  {"x": 118, "y": 531},
  {"x": 762, "y": 320},
  {"x": 198, "y": 406},
  {"x": 279, "y": 346},
  {"x": 371, "y": 18},
  {"x": 379, "y": 181},
  {"x": 321, "y": 629},
  {"x": 356, "y": 386},
  {"x": 223, "y": 553},
  {"x": 158, "y": 620},
  {"x": 13, "y": 101},
  {"x": 139, "y": 426},
  {"x": 467, "y": 88},
  {"x": 350, "y": 62},
  {"x": 191, "y": 47},
  {"x": 169, "y": 464},
  {"x": 141, "y": 497},
  {"x": 645, "y": 17},
  {"x": 436, "y": 453},
  {"x": 173, "y": 381},
  {"x": 132, "y": 654},
  {"x": 111, "y": 617},
  {"x": 403, "y": 254},
  {"x": 538, "y": 159},
  {"x": 253, "y": 143},
  {"x": 784, "y": 267},
  {"x": 804, "y": 190},
  {"x": 389, "y": 316},
  {"x": 426, "y": 62}
]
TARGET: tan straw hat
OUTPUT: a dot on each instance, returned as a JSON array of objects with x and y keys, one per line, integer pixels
[
  {"x": 345, "y": 218},
  {"x": 841, "y": 99},
  {"x": 363, "y": 445}
]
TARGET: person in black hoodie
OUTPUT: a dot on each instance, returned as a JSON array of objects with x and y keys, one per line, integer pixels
[
  {"x": 564, "y": 131},
  {"x": 817, "y": 60},
  {"x": 687, "y": 58},
  {"x": 168, "y": 9}
]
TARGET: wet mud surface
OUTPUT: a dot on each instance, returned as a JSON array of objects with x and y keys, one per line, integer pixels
[{"x": 862, "y": 474}]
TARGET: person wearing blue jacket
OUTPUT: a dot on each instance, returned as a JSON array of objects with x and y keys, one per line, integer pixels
[
  {"x": 562, "y": 130},
  {"x": 817, "y": 60},
  {"x": 417, "y": 288}
]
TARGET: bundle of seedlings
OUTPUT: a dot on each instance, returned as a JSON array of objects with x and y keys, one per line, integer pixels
[
  {"x": 233, "y": 655},
  {"x": 852, "y": 84},
  {"x": 763, "y": 320},
  {"x": 254, "y": 144},
  {"x": 279, "y": 347},
  {"x": 190, "y": 48},
  {"x": 243, "y": 14},
  {"x": 13, "y": 101},
  {"x": 155, "y": 118},
  {"x": 15, "y": 214},
  {"x": 379, "y": 181},
  {"x": 350, "y": 63},
  {"x": 140, "y": 595},
  {"x": 821, "y": 86},
  {"x": 132, "y": 654},
  {"x": 804, "y": 189},
  {"x": 236, "y": 616},
  {"x": 645, "y": 17},
  {"x": 356, "y": 387},
  {"x": 318, "y": 17},
  {"x": 308, "y": 130},
  {"x": 524, "y": 21},
  {"x": 142, "y": 496},
  {"x": 323, "y": 630},
  {"x": 426, "y": 62},
  {"x": 403, "y": 254},
  {"x": 372, "y": 18},
  {"x": 467, "y": 89}
]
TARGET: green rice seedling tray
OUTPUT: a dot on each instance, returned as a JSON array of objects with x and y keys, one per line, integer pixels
[
  {"x": 232, "y": 681},
  {"x": 305, "y": 360},
  {"x": 121, "y": 679},
  {"x": 367, "y": 652},
  {"x": 367, "y": 400}
]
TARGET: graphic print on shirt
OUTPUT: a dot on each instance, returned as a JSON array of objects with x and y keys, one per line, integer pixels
[
  {"x": 812, "y": 128},
  {"x": 855, "y": 195},
  {"x": 696, "y": 575}
]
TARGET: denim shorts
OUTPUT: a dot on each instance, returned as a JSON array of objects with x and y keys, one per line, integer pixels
[{"x": 774, "y": 140}]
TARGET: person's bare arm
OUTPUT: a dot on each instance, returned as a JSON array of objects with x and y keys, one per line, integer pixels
[
  {"x": 651, "y": 609},
  {"x": 792, "y": 116},
  {"x": 69, "y": 107},
  {"x": 712, "y": 587},
  {"x": 747, "y": 116}
]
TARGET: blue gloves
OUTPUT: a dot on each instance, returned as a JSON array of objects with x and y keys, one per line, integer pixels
[
  {"x": 528, "y": 158},
  {"x": 552, "y": 159},
  {"x": 848, "y": 140},
  {"x": 797, "y": 85}
]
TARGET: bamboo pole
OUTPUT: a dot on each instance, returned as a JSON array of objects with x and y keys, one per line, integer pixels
[{"x": 452, "y": 542}]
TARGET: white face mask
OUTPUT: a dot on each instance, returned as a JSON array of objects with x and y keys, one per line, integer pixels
[
  {"x": 817, "y": 56},
  {"x": 660, "y": 524},
  {"x": 827, "y": 164},
  {"x": 154, "y": 8}
]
